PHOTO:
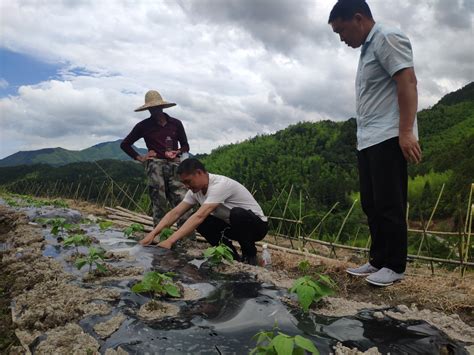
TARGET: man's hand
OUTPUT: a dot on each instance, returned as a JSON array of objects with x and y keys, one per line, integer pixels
[
  {"x": 167, "y": 244},
  {"x": 148, "y": 239},
  {"x": 171, "y": 154},
  {"x": 149, "y": 155},
  {"x": 410, "y": 148}
]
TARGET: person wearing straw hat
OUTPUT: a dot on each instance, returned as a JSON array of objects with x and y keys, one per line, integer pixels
[{"x": 166, "y": 141}]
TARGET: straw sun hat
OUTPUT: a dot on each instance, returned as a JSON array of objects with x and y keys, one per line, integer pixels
[{"x": 154, "y": 99}]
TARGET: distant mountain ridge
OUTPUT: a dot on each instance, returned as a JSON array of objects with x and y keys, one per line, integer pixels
[{"x": 60, "y": 156}]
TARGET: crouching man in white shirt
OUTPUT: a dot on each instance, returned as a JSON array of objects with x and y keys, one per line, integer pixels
[{"x": 228, "y": 212}]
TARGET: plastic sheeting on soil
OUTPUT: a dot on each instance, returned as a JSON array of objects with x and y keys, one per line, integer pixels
[{"x": 220, "y": 314}]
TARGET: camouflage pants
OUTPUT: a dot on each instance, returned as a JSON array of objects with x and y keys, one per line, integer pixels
[{"x": 165, "y": 189}]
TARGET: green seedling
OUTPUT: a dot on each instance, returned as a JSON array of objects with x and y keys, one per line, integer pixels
[
  {"x": 104, "y": 225},
  {"x": 277, "y": 343},
  {"x": 11, "y": 202},
  {"x": 59, "y": 225},
  {"x": 78, "y": 240},
  {"x": 165, "y": 234},
  {"x": 310, "y": 291},
  {"x": 303, "y": 266},
  {"x": 95, "y": 254},
  {"x": 58, "y": 203},
  {"x": 216, "y": 255},
  {"x": 130, "y": 231},
  {"x": 157, "y": 284}
]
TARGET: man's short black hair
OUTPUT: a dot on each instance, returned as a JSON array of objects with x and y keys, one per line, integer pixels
[
  {"x": 189, "y": 166},
  {"x": 346, "y": 9}
]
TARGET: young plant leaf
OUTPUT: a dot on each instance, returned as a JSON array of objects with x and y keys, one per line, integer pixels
[
  {"x": 306, "y": 344},
  {"x": 283, "y": 344}
]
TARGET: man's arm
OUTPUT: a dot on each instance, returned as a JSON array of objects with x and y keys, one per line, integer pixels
[
  {"x": 191, "y": 224},
  {"x": 168, "y": 220},
  {"x": 182, "y": 139},
  {"x": 408, "y": 103}
]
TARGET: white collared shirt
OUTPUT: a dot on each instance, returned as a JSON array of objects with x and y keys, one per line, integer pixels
[
  {"x": 384, "y": 53},
  {"x": 228, "y": 193}
]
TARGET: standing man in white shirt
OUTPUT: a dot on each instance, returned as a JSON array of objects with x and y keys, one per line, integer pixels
[
  {"x": 228, "y": 212},
  {"x": 387, "y": 135}
]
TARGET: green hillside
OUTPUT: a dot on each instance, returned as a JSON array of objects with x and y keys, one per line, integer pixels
[
  {"x": 317, "y": 158},
  {"x": 60, "y": 156}
]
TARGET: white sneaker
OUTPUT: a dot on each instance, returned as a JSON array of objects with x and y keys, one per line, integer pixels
[
  {"x": 363, "y": 270},
  {"x": 384, "y": 277}
]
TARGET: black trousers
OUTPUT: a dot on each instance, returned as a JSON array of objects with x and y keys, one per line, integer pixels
[
  {"x": 245, "y": 227},
  {"x": 383, "y": 189}
]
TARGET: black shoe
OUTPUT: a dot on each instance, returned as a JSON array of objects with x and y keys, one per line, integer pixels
[{"x": 250, "y": 259}]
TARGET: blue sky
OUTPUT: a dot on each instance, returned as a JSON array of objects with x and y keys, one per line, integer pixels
[
  {"x": 72, "y": 72},
  {"x": 19, "y": 69}
]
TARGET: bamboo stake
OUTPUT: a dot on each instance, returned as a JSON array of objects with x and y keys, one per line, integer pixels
[
  {"x": 355, "y": 238},
  {"x": 285, "y": 219},
  {"x": 322, "y": 220},
  {"x": 345, "y": 220},
  {"x": 468, "y": 204},
  {"x": 431, "y": 217},
  {"x": 466, "y": 230},
  {"x": 107, "y": 196},
  {"x": 125, "y": 191},
  {"x": 89, "y": 192},
  {"x": 298, "y": 226},
  {"x": 100, "y": 192},
  {"x": 130, "y": 216},
  {"x": 468, "y": 241},
  {"x": 406, "y": 215},
  {"x": 278, "y": 198},
  {"x": 284, "y": 211},
  {"x": 133, "y": 196}
]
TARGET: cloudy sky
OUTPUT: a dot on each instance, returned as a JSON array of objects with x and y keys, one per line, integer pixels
[{"x": 73, "y": 71}]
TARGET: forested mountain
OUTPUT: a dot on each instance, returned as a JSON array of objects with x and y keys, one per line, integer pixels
[
  {"x": 129, "y": 172},
  {"x": 317, "y": 158},
  {"x": 60, "y": 156}
]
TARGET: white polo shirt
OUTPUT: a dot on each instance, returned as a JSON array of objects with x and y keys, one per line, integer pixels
[{"x": 229, "y": 194}]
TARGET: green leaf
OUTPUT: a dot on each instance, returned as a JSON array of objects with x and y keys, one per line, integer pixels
[
  {"x": 101, "y": 268},
  {"x": 327, "y": 280},
  {"x": 263, "y": 337},
  {"x": 283, "y": 344},
  {"x": 306, "y": 344},
  {"x": 305, "y": 296},
  {"x": 325, "y": 290},
  {"x": 139, "y": 288},
  {"x": 128, "y": 231},
  {"x": 103, "y": 225},
  {"x": 80, "y": 263},
  {"x": 209, "y": 252},
  {"x": 165, "y": 234},
  {"x": 172, "y": 290}
]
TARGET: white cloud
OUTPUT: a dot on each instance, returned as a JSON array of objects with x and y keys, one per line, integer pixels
[
  {"x": 236, "y": 68},
  {"x": 3, "y": 83}
]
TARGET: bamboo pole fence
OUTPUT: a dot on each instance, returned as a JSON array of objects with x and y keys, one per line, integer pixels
[
  {"x": 124, "y": 217},
  {"x": 288, "y": 227}
]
